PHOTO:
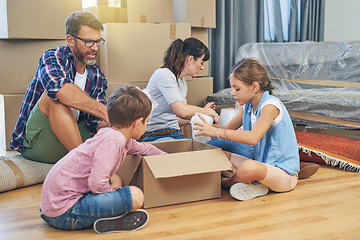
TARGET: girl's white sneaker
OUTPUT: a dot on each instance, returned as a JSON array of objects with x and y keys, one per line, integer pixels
[{"x": 244, "y": 191}]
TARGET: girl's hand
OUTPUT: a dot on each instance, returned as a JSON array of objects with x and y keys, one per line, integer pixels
[
  {"x": 115, "y": 182},
  {"x": 204, "y": 128},
  {"x": 210, "y": 105}
]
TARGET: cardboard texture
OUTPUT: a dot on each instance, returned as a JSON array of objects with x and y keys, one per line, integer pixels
[
  {"x": 109, "y": 14},
  {"x": 150, "y": 11},
  {"x": 203, "y": 35},
  {"x": 35, "y": 19},
  {"x": 114, "y": 86},
  {"x": 186, "y": 130},
  {"x": 102, "y": 2},
  {"x": 19, "y": 60},
  {"x": 199, "y": 13},
  {"x": 10, "y": 105},
  {"x": 190, "y": 172},
  {"x": 133, "y": 51},
  {"x": 198, "y": 89}
]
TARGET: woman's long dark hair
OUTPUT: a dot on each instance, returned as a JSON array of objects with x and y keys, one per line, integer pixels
[{"x": 179, "y": 50}]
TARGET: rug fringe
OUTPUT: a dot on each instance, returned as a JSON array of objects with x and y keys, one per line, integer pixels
[{"x": 329, "y": 160}]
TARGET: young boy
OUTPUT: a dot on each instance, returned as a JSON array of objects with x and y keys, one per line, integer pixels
[{"x": 82, "y": 190}]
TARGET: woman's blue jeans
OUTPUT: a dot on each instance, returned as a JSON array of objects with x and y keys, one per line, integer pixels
[{"x": 174, "y": 135}]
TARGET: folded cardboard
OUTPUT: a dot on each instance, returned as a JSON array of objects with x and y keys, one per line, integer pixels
[
  {"x": 199, "y": 13},
  {"x": 150, "y": 11},
  {"x": 109, "y": 14},
  {"x": 198, "y": 90},
  {"x": 19, "y": 60},
  {"x": 10, "y": 105},
  {"x": 35, "y": 19},
  {"x": 133, "y": 51},
  {"x": 190, "y": 172},
  {"x": 203, "y": 35},
  {"x": 114, "y": 86}
]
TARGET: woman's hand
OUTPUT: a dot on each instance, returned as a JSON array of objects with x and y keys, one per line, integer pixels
[
  {"x": 210, "y": 105},
  {"x": 115, "y": 182},
  {"x": 204, "y": 128}
]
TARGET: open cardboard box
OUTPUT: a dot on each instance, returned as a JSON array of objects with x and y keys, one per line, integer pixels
[{"x": 190, "y": 172}]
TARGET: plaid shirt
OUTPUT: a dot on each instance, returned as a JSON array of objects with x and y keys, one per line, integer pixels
[{"x": 57, "y": 67}]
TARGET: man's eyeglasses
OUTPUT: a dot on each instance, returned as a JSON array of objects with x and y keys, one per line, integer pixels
[{"x": 90, "y": 43}]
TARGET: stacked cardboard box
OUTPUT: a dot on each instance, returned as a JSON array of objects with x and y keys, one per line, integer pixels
[
  {"x": 108, "y": 14},
  {"x": 24, "y": 36},
  {"x": 201, "y": 14}
]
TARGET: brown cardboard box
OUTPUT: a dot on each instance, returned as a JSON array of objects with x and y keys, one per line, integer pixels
[
  {"x": 203, "y": 35},
  {"x": 10, "y": 105},
  {"x": 190, "y": 172},
  {"x": 109, "y": 14},
  {"x": 198, "y": 89},
  {"x": 186, "y": 130},
  {"x": 35, "y": 19},
  {"x": 133, "y": 51},
  {"x": 150, "y": 11},
  {"x": 102, "y": 2},
  {"x": 114, "y": 86},
  {"x": 19, "y": 60},
  {"x": 199, "y": 13}
]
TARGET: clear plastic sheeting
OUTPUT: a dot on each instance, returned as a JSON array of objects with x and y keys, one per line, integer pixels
[{"x": 318, "y": 78}]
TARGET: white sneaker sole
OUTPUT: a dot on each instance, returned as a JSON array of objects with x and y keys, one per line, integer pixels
[{"x": 244, "y": 191}]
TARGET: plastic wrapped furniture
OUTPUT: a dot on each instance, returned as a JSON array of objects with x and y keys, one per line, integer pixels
[{"x": 319, "y": 83}]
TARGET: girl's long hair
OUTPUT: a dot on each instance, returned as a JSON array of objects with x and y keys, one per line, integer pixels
[{"x": 249, "y": 70}]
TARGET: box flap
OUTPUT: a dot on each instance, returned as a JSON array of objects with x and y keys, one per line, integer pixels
[{"x": 188, "y": 163}]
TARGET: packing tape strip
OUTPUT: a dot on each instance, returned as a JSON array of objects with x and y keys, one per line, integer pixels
[
  {"x": 172, "y": 31},
  {"x": 20, "y": 179},
  {"x": 202, "y": 22},
  {"x": 331, "y": 83},
  {"x": 143, "y": 19}
]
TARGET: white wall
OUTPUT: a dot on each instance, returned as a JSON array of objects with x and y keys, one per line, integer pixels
[{"x": 342, "y": 20}]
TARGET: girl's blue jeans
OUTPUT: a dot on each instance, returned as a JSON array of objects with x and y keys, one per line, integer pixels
[
  {"x": 233, "y": 147},
  {"x": 92, "y": 207}
]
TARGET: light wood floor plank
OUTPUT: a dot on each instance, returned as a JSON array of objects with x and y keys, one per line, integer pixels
[{"x": 325, "y": 206}]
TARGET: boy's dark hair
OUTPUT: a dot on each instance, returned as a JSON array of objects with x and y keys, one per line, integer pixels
[
  {"x": 127, "y": 104},
  {"x": 74, "y": 21},
  {"x": 179, "y": 50}
]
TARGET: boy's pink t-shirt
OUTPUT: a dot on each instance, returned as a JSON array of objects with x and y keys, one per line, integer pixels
[{"x": 88, "y": 168}]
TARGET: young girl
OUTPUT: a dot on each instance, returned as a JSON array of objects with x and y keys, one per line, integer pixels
[
  {"x": 168, "y": 88},
  {"x": 268, "y": 136}
]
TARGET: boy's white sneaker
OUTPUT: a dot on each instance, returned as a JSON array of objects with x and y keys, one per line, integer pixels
[
  {"x": 125, "y": 223},
  {"x": 244, "y": 191}
]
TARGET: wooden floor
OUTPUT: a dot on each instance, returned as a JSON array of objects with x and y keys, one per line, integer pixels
[{"x": 325, "y": 206}]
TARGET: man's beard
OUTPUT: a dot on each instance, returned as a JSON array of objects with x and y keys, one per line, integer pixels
[{"x": 81, "y": 57}]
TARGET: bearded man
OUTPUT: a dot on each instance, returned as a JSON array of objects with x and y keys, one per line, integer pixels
[{"x": 65, "y": 102}]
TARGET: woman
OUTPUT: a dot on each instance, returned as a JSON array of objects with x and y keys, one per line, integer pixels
[{"x": 167, "y": 87}]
